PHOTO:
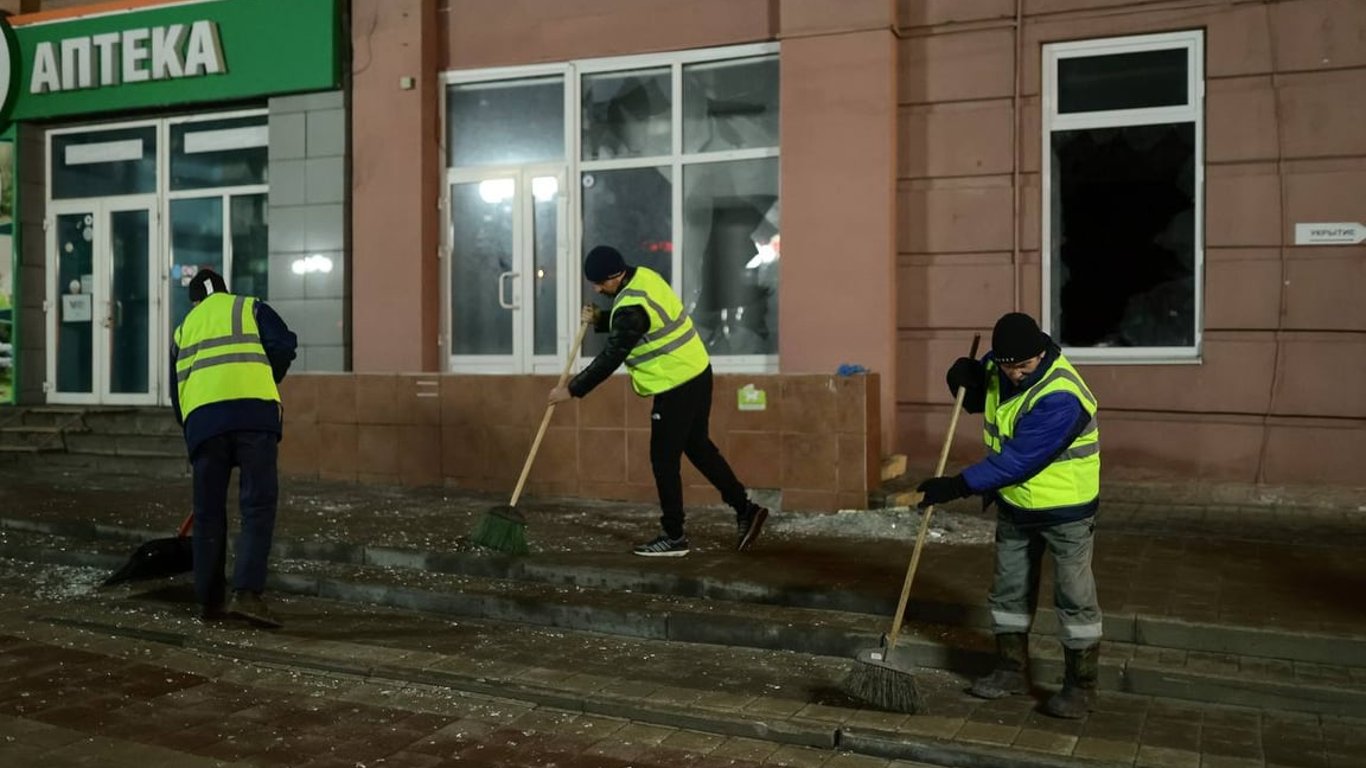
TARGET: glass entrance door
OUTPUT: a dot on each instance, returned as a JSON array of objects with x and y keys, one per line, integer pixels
[
  {"x": 506, "y": 244},
  {"x": 103, "y": 294}
]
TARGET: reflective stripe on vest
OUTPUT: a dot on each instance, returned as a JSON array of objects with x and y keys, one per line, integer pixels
[
  {"x": 670, "y": 352},
  {"x": 220, "y": 355},
  {"x": 1071, "y": 453},
  {"x": 1073, "y": 477}
]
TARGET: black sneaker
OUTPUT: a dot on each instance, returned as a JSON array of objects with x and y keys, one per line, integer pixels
[
  {"x": 663, "y": 546},
  {"x": 749, "y": 523}
]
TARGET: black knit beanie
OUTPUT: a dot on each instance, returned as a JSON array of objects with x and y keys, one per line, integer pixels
[
  {"x": 1017, "y": 337},
  {"x": 602, "y": 262}
]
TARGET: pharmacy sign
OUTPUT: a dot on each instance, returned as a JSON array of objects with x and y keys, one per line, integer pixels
[
  {"x": 170, "y": 54},
  {"x": 137, "y": 55}
]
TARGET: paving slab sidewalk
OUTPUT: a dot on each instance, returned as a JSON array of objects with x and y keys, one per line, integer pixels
[
  {"x": 789, "y": 702},
  {"x": 1248, "y": 567},
  {"x": 1253, "y": 566}
]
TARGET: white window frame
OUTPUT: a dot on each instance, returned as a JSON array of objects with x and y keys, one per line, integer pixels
[
  {"x": 571, "y": 292},
  {"x": 57, "y": 207},
  {"x": 1192, "y": 112},
  {"x": 567, "y": 322},
  {"x": 224, "y": 194},
  {"x": 160, "y": 199}
]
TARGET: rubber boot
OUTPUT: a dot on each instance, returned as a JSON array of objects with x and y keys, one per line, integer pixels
[
  {"x": 1078, "y": 694},
  {"x": 1008, "y": 678}
]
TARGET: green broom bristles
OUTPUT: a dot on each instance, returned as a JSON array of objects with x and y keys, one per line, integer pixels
[
  {"x": 882, "y": 685},
  {"x": 502, "y": 530}
]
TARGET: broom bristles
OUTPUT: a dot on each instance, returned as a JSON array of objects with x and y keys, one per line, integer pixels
[
  {"x": 884, "y": 687},
  {"x": 501, "y": 534}
]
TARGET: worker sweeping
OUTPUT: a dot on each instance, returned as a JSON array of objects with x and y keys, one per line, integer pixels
[
  {"x": 652, "y": 333},
  {"x": 227, "y": 357},
  {"x": 1042, "y": 471}
]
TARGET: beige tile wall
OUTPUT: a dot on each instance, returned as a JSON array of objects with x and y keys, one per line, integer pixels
[{"x": 817, "y": 440}]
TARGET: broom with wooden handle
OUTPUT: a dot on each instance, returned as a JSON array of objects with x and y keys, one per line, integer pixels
[
  {"x": 503, "y": 528},
  {"x": 877, "y": 678}
]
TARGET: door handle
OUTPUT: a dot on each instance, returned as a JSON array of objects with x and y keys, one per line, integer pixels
[{"x": 511, "y": 304}]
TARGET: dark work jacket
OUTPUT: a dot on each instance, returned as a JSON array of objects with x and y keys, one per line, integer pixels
[
  {"x": 626, "y": 325},
  {"x": 247, "y": 415}
]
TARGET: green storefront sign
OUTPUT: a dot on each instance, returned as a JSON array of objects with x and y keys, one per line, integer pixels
[
  {"x": 178, "y": 54},
  {"x": 173, "y": 55}
]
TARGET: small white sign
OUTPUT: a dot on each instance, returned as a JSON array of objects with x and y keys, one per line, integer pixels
[
  {"x": 76, "y": 308},
  {"x": 1330, "y": 233},
  {"x": 87, "y": 283}
]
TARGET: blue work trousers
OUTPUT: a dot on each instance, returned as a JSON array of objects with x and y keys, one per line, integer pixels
[{"x": 254, "y": 454}]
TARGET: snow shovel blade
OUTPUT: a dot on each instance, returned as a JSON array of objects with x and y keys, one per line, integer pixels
[{"x": 156, "y": 559}]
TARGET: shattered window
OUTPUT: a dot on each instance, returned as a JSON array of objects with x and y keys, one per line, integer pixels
[
  {"x": 627, "y": 114},
  {"x": 1124, "y": 236},
  {"x": 679, "y": 172},
  {"x": 730, "y": 105},
  {"x": 1123, "y": 208}
]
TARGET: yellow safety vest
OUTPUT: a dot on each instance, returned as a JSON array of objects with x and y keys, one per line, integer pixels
[
  {"x": 220, "y": 355},
  {"x": 1074, "y": 476},
  {"x": 670, "y": 353}
]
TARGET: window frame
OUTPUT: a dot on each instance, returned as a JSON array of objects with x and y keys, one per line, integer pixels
[
  {"x": 1192, "y": 112},
  {"x": 162, "y": 197},
  {"x": 573, "y": 71},
  {"x": 452, "y": 174}
]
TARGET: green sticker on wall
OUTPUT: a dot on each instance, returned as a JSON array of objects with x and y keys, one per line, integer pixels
[{"x": 749, "y": 398}]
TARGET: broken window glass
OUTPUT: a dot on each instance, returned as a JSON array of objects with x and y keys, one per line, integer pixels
[
  {"x": 627, "y": 114},
  {"x": 730, "y": 105},
  {"x": 1123, "y": 236},
  {"x": 730, "y": 238}
]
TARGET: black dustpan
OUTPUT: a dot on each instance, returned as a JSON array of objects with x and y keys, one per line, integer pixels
[{"x": 159, "y": 558}]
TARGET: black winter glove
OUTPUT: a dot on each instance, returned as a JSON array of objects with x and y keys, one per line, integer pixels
[
  {"x": 966, "y": 373},
  {"x": 938, "y": 490}
]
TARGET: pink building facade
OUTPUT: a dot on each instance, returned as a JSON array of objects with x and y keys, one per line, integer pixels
[{"x": 1170, "y": 187}]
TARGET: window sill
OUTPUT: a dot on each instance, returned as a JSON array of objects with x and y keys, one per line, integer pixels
[
  {"x": 744, "y": 364},
  {"x": 1131, "y": 356}
]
